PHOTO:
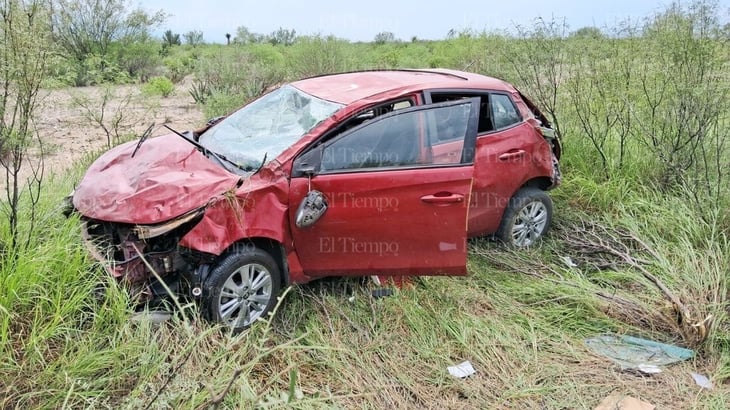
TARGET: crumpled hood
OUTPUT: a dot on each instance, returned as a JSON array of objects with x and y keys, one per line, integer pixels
[{"x": 166, "y": 178}]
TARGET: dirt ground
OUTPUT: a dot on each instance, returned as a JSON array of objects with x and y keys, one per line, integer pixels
[{"x": 68, "y": 134}]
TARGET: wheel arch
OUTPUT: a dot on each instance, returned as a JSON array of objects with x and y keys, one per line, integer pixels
[
  {"x": 506, "y": 225},
  {"x": 269, "y": 245},
  {"x": 542, "y": 183}
]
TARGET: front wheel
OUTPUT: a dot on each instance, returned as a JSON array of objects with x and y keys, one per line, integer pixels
[
  {"x": 527, "y": 218},
  {"x": 242, "y": 288}
]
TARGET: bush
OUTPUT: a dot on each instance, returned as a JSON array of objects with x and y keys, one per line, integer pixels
[
  {"x": 231, "y": 76},
  {"x": 161, "y": 86},
  {"x": 318, "y": 55},
  {"x": 177, "y": 68},
  {"x": 219, "y": 103},
  {"x": 138, "y": 59}
]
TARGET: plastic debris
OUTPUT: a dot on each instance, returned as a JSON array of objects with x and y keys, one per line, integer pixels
[
  {"x": 154, "y": 317},
  {"x": 633, "y": 353},
  {"x": 568, "y": 261},
  {"x": 649, "y": 368},
  {"x": 702, "y": 380},
  {"x": 462, "y": 370},
  {"x": 381, "y": 293},
  {"x": 396, "y": 281},
  {"x": 618, "y": 401}
]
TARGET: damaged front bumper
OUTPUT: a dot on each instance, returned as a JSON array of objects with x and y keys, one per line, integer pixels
[{"x": 143, "y": 256}]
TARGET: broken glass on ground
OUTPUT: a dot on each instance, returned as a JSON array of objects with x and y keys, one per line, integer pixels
[
  {"x": 701, "y": 380},
  {"x": 633, "y": 353}
]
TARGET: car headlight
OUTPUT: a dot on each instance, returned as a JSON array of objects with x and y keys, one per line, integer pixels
[{"x": 67, "y": 205}]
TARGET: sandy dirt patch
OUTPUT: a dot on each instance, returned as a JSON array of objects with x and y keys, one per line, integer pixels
[{"x": 68, "y": 135}]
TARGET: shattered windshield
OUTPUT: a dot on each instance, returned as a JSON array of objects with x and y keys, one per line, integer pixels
[{"x": 267, "y": 126}]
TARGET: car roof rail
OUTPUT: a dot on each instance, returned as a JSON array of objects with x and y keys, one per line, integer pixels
[{"x": 407, "y": 70}]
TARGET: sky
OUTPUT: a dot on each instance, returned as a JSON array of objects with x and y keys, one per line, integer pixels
[{"x": 362, "y": 20}]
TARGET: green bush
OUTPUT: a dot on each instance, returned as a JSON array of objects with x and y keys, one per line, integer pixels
[
  {"x": 230, "y": 76},
  {"x": 318, "y": 55},
  {"x": 159, "y": 86},
  {"x": 139, "y": 59},
  {"x": 219, "y": 103},
  {"x": 177, "y": 68}
]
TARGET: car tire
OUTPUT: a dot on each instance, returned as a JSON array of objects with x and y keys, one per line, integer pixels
[
  {"x": 242, "y": 288},
  {"x": 526, "y": 219}
]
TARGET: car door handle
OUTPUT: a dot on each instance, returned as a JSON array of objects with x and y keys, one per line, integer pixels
[
  {"x": 443, "y": 198},
  {"x": 510, "y": 155}
]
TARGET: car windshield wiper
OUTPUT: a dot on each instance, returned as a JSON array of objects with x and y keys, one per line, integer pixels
[
  {"x": 206, "y": 151},
  {"x": 143, "y": 138},
  {"x": 263, "y": 161}
]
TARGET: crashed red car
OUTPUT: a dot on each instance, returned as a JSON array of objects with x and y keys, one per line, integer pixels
[{"x": 363, "y": 173}]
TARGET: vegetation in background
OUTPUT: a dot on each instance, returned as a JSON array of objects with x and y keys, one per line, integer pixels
[
  {"x": 102, "y": 37},
  {"x": 25, "y": 55},
  {"x": 193, "y": 38},
  {"x": 109, "y": 112},
  {"x": 160, "y": 86},
  {"x": 643, "y": 109}
]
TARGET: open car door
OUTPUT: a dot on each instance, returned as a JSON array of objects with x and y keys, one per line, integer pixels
[{"x": 392, "y": 206}]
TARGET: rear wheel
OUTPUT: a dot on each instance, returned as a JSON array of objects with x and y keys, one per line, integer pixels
[
  {"x": 527, "y": 218},
  {"x": 242, "y": 288}
]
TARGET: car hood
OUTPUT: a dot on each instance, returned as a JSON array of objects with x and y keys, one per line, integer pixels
[{"x": 167, "y": 177}]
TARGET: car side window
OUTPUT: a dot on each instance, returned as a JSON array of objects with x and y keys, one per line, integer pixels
[
  {"x": 504, "y": 112},
  {"x": 400, "y": 139},
  {"x": 485, "y": 113},
  {"x": 371, "y": 113}
]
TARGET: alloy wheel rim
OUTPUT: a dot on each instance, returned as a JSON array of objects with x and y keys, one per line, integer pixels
[
  {"x": 245, "y": 295},
  {"x": 529, "y": 224}
]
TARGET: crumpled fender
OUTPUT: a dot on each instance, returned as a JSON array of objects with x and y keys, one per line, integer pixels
[{"x": 258, "y": 208}]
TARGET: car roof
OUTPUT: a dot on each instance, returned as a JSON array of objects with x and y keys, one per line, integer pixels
[{"x": 347, "y": 88}]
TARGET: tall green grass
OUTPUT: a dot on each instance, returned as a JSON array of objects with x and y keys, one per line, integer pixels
[{"x": 520, "y": 318}]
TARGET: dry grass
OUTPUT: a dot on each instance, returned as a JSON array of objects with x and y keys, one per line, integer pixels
[{"x": 520, "y": 318}]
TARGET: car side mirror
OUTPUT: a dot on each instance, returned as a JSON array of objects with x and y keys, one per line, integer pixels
[
  {"x": 307, "y": 170},
  {"x": 313, "y": 206},
  {"x": 308, "y": 163}
]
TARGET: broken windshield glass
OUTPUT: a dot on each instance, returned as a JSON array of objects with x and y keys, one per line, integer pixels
[{"x": 267, "y": 126}]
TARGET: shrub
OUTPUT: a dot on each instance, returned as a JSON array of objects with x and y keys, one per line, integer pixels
[
  {"x": 219, "y": 103},
  {"x": 318, "y": 55},
  {"x": 161, "y": 86},
  {"x": 231, "y": 76}
]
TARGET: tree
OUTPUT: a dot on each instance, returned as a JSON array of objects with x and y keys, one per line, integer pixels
[
  {"x": 170, "y": 39},
  {"x": 384, "y": 37},
  {"x": 193, "y": 38},
  {"x": 539, "y": 60},
  {"x": 245, "y": 36},
  {"x": 593, "y": 33},
  {"x": 25, "y": 51},
  {"x": 228, "y": 38},
  {"x": 86, "y": 28},
  {"x": 283, "y": 36}
]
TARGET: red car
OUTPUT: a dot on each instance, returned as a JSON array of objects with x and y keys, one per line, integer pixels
[{"x": 363, "y": 173}]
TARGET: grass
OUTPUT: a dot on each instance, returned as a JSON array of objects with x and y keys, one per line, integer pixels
[{"x": 520, "y": 318}]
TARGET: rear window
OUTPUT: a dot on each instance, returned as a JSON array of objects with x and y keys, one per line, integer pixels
[{"x": 504, "y": 111}]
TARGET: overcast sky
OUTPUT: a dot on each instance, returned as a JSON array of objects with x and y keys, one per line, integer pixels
[{"x": 362, "y": 20}]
